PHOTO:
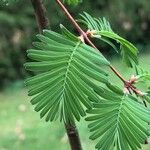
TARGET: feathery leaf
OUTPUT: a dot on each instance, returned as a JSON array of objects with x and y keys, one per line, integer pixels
[
  {"x": 102, "y": 30},
  {"x": 65, "y": 68},
  {"x": 118, "y": 121}
]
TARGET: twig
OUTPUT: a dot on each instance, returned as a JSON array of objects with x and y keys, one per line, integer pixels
[
  {"x": 40, "y": 14},
  {"x": 81, "y": 32},
  {"x": 75, "y": 24},
  {"x": 127, "y": 83},
  {"x": 118, "y": 74}
]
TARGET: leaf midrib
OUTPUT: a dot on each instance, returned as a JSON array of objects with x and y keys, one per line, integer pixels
[
  {"x": 67, "y": 69},
  {"x": 119, "y": 112}
]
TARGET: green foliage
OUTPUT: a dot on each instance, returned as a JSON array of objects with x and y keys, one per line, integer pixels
[
  {"x": 147, "y": 97},
  {"x": 118, "y": 120},
  {"x": 68, "y": 34},
  {"x": 68, "y": 83},
  {"x": 102, "y": 30},
  {"x": 129, "y": 18},
  {"x": 17, "y": 29},
  {"x": 69, "y": 80},
  {"x": 50, "y": 133},
  {"x": 142, "y": 75},
  {"x": 7, "y": 2},
  {"x": 67, "y": 72},
  {"x": 72, "y": 2}
]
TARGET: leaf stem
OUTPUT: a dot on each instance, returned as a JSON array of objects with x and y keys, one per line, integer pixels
[{"x": 118, "y": 74}]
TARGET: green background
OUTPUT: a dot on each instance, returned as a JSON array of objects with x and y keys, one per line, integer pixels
[{"x": 20, "y": 127}]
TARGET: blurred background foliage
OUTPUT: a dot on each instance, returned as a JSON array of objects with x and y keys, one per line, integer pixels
[{"x": 130, "y": 19}]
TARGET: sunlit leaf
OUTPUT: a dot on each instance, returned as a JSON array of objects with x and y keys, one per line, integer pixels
[
  {"x": 68, "y": 71},
  {"x": 72, "y": 2},
  {"x": 102, "y": 30},
  {"x": 118, "y": 122}
]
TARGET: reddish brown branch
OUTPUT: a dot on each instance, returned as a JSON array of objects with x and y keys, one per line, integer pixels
[
  {"x": 81, "y": 32},
  {"x": 118, "y": 74},
  {"x": 75, "y": 24},
  {"x": 128, "y": 84}
]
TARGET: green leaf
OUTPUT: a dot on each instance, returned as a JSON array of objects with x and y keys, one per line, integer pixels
[
  {"x": 142, "y": 75},
  {"x": 66, "y": 69},
  {"x": 68, "y": 34},
  {"x": 102, "y": 30},
  {"x": 72, "y": 2},
  {"x": 7, "y": 2},
  {"x": 119, "y": 122},
  {"x": 147, "y": 97}
]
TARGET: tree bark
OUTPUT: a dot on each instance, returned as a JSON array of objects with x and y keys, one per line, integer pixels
[
  {"x": 43, "y": 23},
  {"x": 40, "y": 14},
  {"x": 73, "y": 136}
]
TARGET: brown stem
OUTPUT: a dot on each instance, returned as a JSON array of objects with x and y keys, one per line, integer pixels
[
  {"x": 40, "y": 14},
  {"x": 75, "y": 24},
  {"x": 73, "y": 136},
  {"x": 43, "y": 23},
  {"x": 118, "y": 74}
]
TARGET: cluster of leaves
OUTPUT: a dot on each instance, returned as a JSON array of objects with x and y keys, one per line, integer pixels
[
  {"x": 70, "y": 83},
  {"x": 72, "y": 2},
  {"x": 7, "y": 2},
  {"x": 143, "y": 78},
  {"x": 142, "y": 75},
  {"x": 118, "y": 120},
  {"x": 103, "y": 31},
  {"x": 72, "y": 65},
  {"x": 12, "y": 17}
]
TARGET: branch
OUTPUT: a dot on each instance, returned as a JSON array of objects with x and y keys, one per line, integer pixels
[
  {"x": 40, "y": 14},
  {"x": 43, "y": 23},
  {"x": 118, "y": 74},
  {"x": 128, "y": 84},
  {"x": 73, "y": 136},
  {"x": 81, "y": 32},
  {"x": 75, "y": 24}
]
